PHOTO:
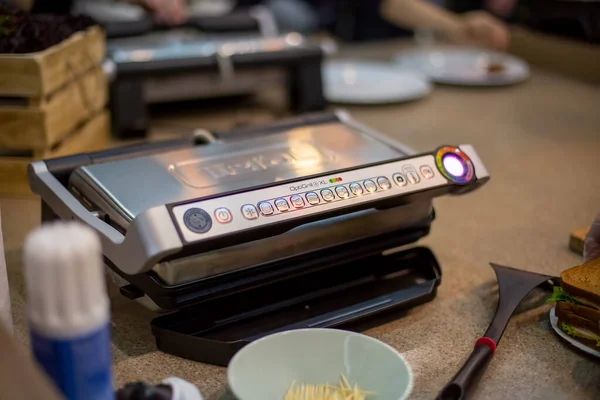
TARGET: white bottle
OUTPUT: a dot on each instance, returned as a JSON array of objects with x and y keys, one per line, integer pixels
[{"x": 68, "y": 309}]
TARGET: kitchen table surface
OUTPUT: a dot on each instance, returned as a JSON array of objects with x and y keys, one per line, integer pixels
[{"x": 540, "y": 141}]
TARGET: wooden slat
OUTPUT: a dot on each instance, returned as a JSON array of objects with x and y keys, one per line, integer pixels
[
  {"x": 42, "y": 127},
  {"x": 93, "y": 136},
  {"x": 60, "y": 67},
  {"x": 13, "y": 176},
  {"x": 20, "y": 77},
  {"x": 77, "y": 103},
  {"x": 39, "y": 74},
  {"x": 21, "y": 128}
]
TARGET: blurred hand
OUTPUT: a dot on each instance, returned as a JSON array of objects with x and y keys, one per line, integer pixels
[
  {"x": 170, "y": 12},
  {"x": 501, "y": 7},
  {"x": 591, "y": 248},
  {"x": 483, "y": 29}
]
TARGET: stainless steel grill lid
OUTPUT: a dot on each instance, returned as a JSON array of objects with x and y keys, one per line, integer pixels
[{"x": 124, "y": 189}]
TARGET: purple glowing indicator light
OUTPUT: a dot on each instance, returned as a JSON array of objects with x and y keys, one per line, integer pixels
[{"x": 453, "y": 165}]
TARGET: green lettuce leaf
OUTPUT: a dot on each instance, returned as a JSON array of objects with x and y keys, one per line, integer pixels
[
  {"x": 571, "y": 332},
  {"x": 568, "y": 330},
  {"x": 558, "y": 294}
]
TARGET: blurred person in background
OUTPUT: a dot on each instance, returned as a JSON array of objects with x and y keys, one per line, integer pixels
[
  {"x": 501, "y": 8},
  {"x": 474, "y": 27},
  {"x": 361, "y": 20},
  {"x": 172, "y": 12},
  {"x": 353, "y": 20}
]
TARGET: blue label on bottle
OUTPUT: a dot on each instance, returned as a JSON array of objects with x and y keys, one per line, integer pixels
[{"x": 80, "y": 367}]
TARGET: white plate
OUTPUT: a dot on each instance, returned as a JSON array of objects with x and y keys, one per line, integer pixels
[
  {"x": 363, "y": 82},
  {"x": 580, "y": 346},
  {"x": 459, "y": 66}
]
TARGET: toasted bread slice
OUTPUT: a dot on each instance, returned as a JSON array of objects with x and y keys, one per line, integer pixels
[
  {"x": 583, "y": 282},
  {"x": 591, "y": 343},
  {"x": 591, "y": 314},
  {"x": 565, "y": 312}
]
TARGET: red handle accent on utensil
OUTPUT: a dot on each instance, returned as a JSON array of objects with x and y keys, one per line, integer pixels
[{"x": 486, "y": 341}]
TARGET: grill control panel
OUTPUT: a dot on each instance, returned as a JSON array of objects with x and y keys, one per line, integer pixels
[{"x": 202, "y": 219}]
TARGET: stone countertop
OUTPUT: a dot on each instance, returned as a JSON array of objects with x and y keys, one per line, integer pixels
[{"x": 540, "y": 141}]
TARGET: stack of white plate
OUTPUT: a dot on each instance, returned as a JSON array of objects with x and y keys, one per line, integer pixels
[{"x": 465, "y": 66}]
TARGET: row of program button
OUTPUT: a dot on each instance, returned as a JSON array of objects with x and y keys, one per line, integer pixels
[
  {"x": 328, "y": 195},
  {"x": 199, "y": 221},
  {"x": 297, "y": 201}
]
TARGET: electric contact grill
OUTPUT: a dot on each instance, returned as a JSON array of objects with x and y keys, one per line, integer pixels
[
  {"x": 235, "y": 235},
  {"x": 120, "y": 20},
  {"x": 209, "y": 60}
]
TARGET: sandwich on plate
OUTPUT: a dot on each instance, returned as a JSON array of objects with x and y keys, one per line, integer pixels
[{"x": 578, "y": 303}]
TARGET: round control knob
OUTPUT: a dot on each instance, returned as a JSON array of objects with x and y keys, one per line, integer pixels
[
  {"x": 197, "y": 220},
  {"x": 454, "y": 164}
]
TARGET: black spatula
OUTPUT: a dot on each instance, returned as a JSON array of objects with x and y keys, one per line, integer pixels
[{"x": 513, "y": 286}]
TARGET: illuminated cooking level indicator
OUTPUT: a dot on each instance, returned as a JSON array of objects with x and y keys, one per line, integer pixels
[{"x": 454, "y": 164}]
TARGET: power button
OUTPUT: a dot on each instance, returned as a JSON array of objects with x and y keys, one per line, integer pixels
[{"x": 223, "y": 215}]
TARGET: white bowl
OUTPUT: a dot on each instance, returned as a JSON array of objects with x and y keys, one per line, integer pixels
[{"x": 266, "y": 368}]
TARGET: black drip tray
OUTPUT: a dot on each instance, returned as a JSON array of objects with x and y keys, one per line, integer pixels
[{"x": 337, "y": 297}]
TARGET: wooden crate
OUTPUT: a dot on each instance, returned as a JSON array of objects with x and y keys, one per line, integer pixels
[
  {"x": 92, "y": 136},
  {"x": 42, "y": 123},
  {"x": 36, "y": 75},
  {"x": 44, "y": 96}
]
